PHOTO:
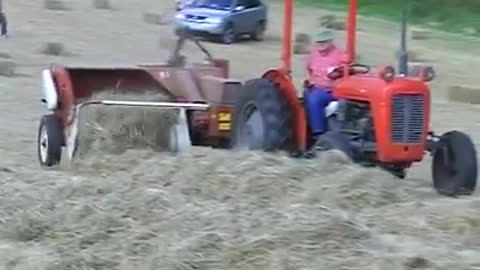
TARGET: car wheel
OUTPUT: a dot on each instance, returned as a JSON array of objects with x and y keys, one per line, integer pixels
[
  {"x": 228, "y": 35},
  {"x": 259, "y": 32}
]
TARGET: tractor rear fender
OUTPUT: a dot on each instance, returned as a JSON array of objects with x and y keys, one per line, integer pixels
[{"x": 286, "y": 86}]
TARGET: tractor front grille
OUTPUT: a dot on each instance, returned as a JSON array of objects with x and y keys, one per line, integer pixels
[{"x": 407, "y": 118}]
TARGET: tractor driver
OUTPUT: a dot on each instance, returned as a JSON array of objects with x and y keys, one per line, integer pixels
[{"x": 318, "y": 87}]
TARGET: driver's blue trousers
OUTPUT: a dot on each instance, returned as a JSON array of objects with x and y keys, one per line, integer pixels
[{"x": 316, "y": 100}]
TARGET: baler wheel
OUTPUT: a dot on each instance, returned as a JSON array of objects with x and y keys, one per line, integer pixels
[
  {"x": 454, "y": 167},
  {"x": 262, "y": 117},
  {"x": 50, "y": 140}
]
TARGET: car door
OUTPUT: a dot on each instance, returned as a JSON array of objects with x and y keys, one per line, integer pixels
[
  {"x": 255, "y": 12},
  {"x": 240, "y": 16}
]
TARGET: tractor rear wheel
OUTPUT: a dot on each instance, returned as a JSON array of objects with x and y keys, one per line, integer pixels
[
  {"x": 454, "y": 167},
  {"x": 262, "y": 117}
]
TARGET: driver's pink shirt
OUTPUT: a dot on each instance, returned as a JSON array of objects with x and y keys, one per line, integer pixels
[{"x": 319, "y": 63}]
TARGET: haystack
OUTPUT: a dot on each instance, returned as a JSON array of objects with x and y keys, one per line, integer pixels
[
  {"x": 465, "y": 94},
  {"x": 7, "y": 68}
]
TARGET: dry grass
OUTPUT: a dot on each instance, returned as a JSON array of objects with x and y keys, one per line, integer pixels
[
  {"x": 7, "y": 68},
  {"x": 116, "y": 129},
  {"x": 465, "y": 94},
  {"x": 56, "y": 5}
]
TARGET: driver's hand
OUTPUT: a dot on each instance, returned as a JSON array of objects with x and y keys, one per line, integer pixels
[{"x": 330, "y": 69}]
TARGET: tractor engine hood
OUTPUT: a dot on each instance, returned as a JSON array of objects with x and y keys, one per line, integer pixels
[{"x": 372, "y": 88}]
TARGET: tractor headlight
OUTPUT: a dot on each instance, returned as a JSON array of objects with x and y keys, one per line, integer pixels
[
  {"x": 387, "y": 73},
  {"x": 427, "y": 74}
]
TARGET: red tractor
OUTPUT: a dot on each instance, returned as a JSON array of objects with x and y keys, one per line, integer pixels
[{"x": 380, "y": 119}]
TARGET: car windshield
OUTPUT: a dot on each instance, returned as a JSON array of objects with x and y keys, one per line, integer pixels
[{"x": 214, "y": 4}]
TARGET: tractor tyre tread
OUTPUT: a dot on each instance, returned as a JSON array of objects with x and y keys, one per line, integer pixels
[
  {"x": 464, "y": 181},
  {"x": 274, "y": 108}
]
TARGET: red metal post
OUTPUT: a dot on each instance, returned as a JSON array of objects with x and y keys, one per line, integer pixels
[
  {"x": 351, "y": 31},
  {"x": 287, "y": 35}
]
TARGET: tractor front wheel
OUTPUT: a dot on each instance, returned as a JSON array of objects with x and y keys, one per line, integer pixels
[
  {"x": 454, "y": 167},
  {"x": 262, "y": 118}
]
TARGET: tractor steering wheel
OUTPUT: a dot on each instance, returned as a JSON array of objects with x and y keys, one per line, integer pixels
[{"x": 338, "y": 72}]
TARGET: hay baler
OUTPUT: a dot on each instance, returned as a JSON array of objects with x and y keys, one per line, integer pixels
[{"x": 380, "y": 119}]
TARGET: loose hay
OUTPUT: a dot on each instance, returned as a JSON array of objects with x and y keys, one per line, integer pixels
[
  {"x": 7, "y": 68},
  {"x": 465, "y": 94},
  {"x": 115, "y": 129},
  {"x": 218, "y": 210}
]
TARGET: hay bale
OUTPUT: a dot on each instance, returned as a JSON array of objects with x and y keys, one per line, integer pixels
[
  {"x": 326, "y": 20},
  {"x": 419, "y": 34},
  {"x": 302, "y": 43},
  {"x": 56, "y": 5},
  {"x": 102, "y": 4},
  {"x": 331, "y": 22},
  {"x": 464, "y": 94},
  {"x": 470, "y": 30},
  {"x": 116, "y": 129},
  {"x": 412, "y": 55},
  {"x": 54, "y": 48},
  {"x": 414, "y": 68},
  {"x": 5, "y": 55},
  {"x": 7, "y": 68},
  {"x": 154, "y": 18}
]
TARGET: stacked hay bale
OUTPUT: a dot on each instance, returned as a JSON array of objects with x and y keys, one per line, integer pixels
[{"x": 302, "y": 43}]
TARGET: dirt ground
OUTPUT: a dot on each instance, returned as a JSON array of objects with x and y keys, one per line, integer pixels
[{"x": 215, "y": 209}]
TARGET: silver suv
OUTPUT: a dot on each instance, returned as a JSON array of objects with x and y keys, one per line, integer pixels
[{"x": 226, "y": 19}]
